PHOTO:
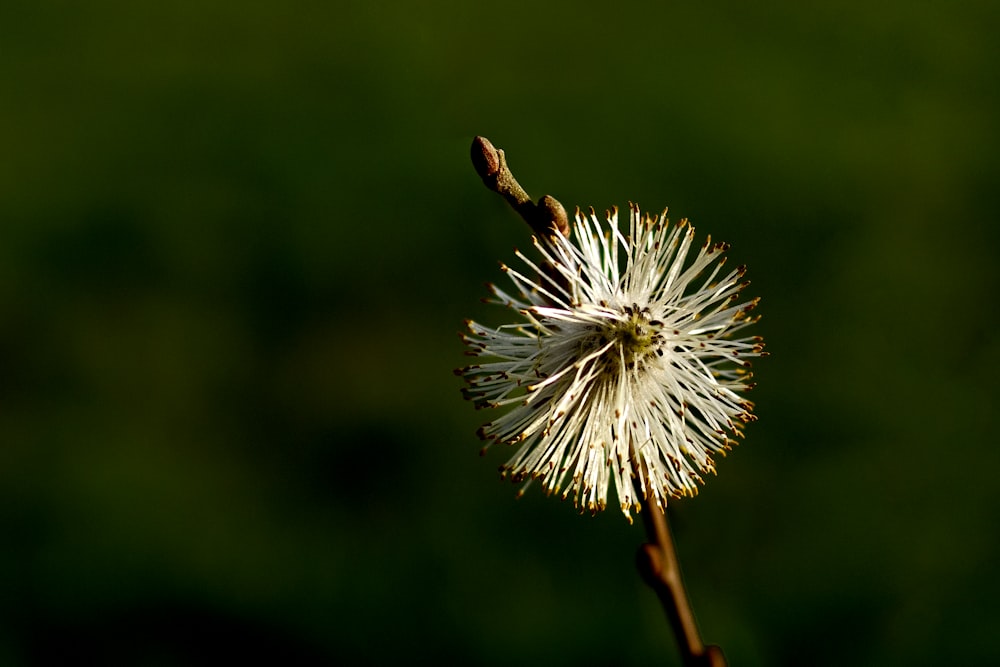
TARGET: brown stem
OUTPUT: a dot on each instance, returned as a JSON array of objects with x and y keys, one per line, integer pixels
[
  {"x": 491, "y": 165},
  {"x": 657, "y": 561},
  {"x": 660, "y": 570}
]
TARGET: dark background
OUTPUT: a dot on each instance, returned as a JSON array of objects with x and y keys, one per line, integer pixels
[{"x": 237, "y": 241}]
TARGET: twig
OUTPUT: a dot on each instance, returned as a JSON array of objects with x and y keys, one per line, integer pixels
[
  {"x": 491, "y": 165},
  {"x": 659, "y": 568},
  {"x": 657, "y": 561}
]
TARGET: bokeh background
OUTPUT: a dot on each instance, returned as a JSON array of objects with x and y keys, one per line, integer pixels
[{"x": 237, "y": 241}]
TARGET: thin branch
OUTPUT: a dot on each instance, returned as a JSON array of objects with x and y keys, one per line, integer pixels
[
  {"x": 657, "y": 561},
  {"x": 491, "y": 165},
  {"x": 660, "y": 569}
]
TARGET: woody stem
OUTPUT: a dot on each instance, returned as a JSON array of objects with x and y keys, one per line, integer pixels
[
  {"x": 546, "y": 217},
  {"x": 660, "y": 570}
]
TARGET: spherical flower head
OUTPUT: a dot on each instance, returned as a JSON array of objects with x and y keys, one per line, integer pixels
[{"x": 621, "y": 364}]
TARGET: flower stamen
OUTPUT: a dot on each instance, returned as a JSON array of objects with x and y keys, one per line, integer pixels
[{"x": 622, "y": 367}]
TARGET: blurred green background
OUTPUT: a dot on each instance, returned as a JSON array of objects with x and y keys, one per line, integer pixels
[{"x": 237, "y": 241}]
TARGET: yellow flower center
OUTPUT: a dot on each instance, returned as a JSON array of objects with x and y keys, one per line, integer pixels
[{"x": 634, "y": 339}]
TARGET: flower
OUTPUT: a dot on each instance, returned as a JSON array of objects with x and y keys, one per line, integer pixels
[{"x": 620, "y": 366}]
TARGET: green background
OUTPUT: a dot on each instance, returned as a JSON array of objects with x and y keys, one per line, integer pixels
[{"x": 237, "y": 241}]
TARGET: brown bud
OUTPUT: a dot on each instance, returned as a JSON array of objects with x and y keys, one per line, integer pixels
[
  {"x": 553, "y": 215},
  {"x": 485, "y": 158}
]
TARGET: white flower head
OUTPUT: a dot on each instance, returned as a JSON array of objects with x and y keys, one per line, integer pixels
[{"x": 621, "y": 364}]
